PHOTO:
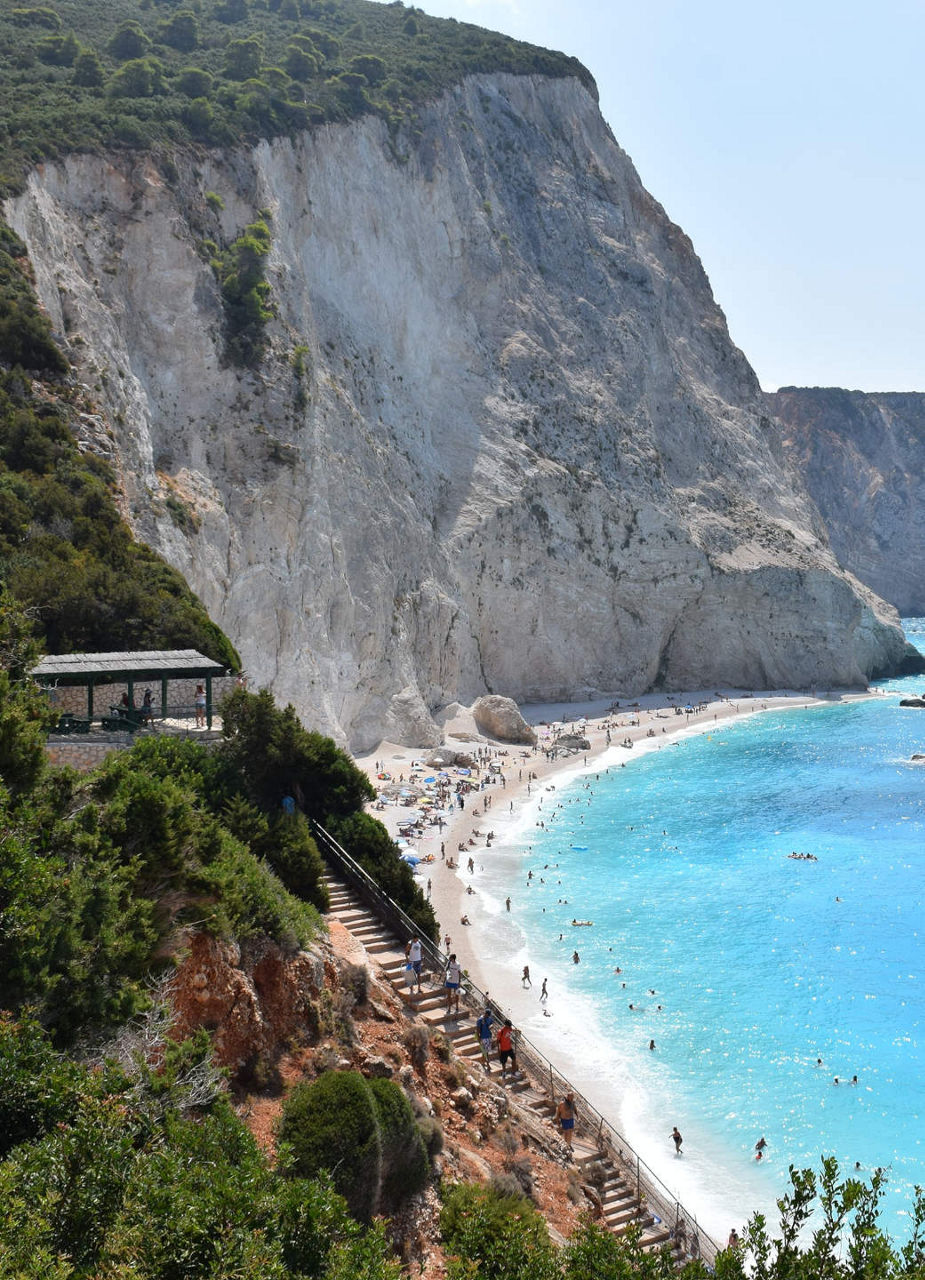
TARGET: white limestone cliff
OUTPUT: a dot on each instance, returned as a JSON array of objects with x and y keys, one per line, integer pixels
[
  {"x": 862, "y": 458},
  {"x": 525, "y": 457}
]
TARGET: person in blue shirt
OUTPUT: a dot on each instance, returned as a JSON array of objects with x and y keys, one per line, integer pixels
[{"x": 483, "y": 1029}]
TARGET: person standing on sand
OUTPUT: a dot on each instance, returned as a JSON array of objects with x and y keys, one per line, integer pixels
[
  {"x": 565, "y": 1114},
  {"x": 525, "y": 978},
  {"x": 677, "y": 1139},
  {"x": 544, "y": 994}
]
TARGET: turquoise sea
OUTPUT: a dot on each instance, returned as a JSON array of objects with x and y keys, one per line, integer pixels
[{"x": 761, "y": 964}]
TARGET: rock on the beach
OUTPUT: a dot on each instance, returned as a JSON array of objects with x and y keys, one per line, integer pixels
[
  {"x": 572, "y": 742},
  {"x": 912, "y": 702},
  {"x": 499, "y": 718}
]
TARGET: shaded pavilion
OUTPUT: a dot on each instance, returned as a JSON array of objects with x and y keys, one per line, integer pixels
[{"x": 143, "y": 666}]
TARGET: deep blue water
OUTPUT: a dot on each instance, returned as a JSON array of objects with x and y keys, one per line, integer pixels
[{"x": 762, "y": 964}]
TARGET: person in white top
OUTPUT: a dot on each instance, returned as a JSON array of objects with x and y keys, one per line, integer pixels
[
  {"x": 453, "y": 980},
  {"x": 414, "y": 953}
]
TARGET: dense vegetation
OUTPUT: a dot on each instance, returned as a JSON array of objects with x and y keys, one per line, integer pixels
[
  {"x": 81, "y": 74},
  {"x": 275, "y": 756},
  {"x": 99, "y": 872},
  {"x": 363, "y": 1132},
  {"x": 828, "y": 1231},
  {"x": 66, "y": 553},
  {"x": 144, "y": 1172}
]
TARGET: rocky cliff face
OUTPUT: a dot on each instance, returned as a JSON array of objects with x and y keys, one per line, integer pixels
[
  {"x": 862, "y": 458},
  {"x": 523, "y": 458}
]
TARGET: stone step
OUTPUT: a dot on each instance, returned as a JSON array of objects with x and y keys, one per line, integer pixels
[
  {"x": 379, "y": 948},
  {"x": 620, "y": 1221},
  {"x": 617, "y": 1193},
  {"x": 660, "y": 1235},
  {"x": 373, "y": 933},
  {"x": 585, "y": 1153},
  {"x": 350, "y": 918}
]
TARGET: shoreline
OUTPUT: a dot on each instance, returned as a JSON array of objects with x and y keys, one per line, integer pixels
[
  {"x": 512, "y": 812},
  {"x": 474, "y": 822}
]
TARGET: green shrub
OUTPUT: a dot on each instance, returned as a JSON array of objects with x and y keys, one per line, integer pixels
[
  {"x": 140, "y": 78},
  {"x": 38, "y": 17},
  {"x": 38, "y": 1087},
  {"x": 332, "y": 1125},
  {"x": 363, "y": 1132},
  {"x": 243, "y": 58},
  {"x": 241, "y": 269},
  {"x": 181, "y": 31},
  {"x": 405, "y": 1166},
  {"x": 88, "y": 70},
  {"x": 58, "y": 51},
  {"x": 128, "y": 41},
  {"x": 194, "y": 83},
  {"x": 500, "y": 1234}
]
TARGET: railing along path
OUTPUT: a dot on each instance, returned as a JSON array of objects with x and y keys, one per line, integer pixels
[{"x": 651, "y": 1193}]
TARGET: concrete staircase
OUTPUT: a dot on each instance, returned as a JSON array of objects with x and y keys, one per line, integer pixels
[{"x": 617, "y": 1195}]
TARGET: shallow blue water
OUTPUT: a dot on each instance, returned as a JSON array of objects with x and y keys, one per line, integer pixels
[{"x": 761, "y": 963}]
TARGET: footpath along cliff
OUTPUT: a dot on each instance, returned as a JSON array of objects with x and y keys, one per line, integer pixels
[{"x": 500, "y": 442}]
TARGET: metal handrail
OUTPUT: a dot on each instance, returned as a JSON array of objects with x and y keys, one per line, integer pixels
[{"x": 650, "y": 1192}]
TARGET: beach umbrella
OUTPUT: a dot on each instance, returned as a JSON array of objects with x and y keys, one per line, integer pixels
[
  {"x": 410, "y": 858},
  {"x": 464, "y": 773},
  {"x": 427, "y": 780}
]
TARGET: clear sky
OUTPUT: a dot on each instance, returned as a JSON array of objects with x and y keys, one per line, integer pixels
[{"x": 788, "y": 140}]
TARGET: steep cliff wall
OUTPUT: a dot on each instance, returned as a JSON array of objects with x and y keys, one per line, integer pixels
[
  {"x": 523, "y": 457},
  {"x": 862, "y": 458}
]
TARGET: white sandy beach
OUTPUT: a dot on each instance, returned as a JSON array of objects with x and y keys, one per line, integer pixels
[{"x": 650, "y": 723}]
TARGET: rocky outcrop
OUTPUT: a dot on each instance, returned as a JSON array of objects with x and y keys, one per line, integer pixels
[
  {"x": 500, "y": 718},
  {"x": 501, "y": 443},
  {"x": 254, "y": 1001},
  {"x": 862, "y": 458}
]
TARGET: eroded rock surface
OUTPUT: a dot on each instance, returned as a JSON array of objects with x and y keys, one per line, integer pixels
[
  {"x": 502, "y": 442},
  {"x": 862, "y": 458}
]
